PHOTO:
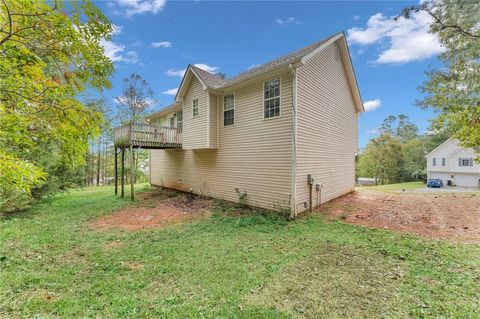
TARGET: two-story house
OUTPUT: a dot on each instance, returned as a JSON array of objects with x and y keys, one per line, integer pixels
[
  {"x": 453, "y": 164},
  {"x": 282, "y": 135}
]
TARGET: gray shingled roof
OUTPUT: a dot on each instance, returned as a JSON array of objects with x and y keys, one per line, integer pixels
[
  {"x": 210, "y": 80},
  {"x": 215, "y": 81}
]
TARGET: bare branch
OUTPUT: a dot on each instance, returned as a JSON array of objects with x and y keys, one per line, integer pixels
[{"x": 10, "y": 23}]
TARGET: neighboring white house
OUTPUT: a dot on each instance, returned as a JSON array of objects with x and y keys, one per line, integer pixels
[{"x": 453, "y": 164}]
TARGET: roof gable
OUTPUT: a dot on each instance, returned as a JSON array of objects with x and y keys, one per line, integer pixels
[
  {"x": 444, "y": 147},
  {"x": 207, "y": 78},
  {"x": 439, "y": 147},
  {"x": 187, "y": 77}
]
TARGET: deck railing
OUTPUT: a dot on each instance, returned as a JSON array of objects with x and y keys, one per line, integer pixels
[{"x": 147, "y": 135}]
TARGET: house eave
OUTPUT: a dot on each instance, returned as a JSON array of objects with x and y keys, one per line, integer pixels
[{"x": 171, "y": 108}]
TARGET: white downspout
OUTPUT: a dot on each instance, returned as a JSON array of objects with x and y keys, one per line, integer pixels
[
  {"x": 208, "y": 119},
  {"x": 293, "y": 204}
]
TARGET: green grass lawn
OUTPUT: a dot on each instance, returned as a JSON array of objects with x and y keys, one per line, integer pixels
[
  {"x": 53, "y": 264},
  {"x": 393, "y": 187}
]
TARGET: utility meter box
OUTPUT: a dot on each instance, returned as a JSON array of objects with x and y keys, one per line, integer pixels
[{"x": 310, "y": 179}]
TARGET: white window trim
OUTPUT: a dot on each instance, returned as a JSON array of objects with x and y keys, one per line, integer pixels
[
  {"x": 469, "y": 160},
  {"x": 198, "y": 108},
  {"x": 178, "y": 127},
  {"x": 223, "y": 110},
  {"x": 263, "y": 99}
]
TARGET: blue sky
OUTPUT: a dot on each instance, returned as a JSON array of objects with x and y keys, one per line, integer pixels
[{"x": 158, "y": 39}]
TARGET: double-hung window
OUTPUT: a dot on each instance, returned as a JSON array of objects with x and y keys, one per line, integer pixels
[
  {"x": 180, "y": 121},
  {"x": 434, "y": 162},
  {"x": 462, "y": 162},
  {"x": 172, "y": 121},
  {"x": 443, "y": 161},
  {"x": 195, "y": 108},
  {"x": 228, "y": 109},
  {"x": 271, "y": 98}
]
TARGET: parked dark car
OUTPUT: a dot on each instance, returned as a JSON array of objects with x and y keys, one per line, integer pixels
[{"x": 435, "y": 183}]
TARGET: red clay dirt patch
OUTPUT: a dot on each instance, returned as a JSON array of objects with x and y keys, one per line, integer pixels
[
  {"x": 157, "y": 208},
  {"x": 454, "y": 216}
]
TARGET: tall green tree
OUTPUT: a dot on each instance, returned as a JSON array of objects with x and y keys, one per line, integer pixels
[
  {"x": 50, "y": 53},
  {"x": 414, "y": 163},
  {"x": 382, "y": 159},
  {"x": 399, "y": 127},
  {"x": 454, "y": 90},
  {"x": 137, "y": 96}
]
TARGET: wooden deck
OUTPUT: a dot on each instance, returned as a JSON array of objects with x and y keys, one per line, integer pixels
[{"x": 147, "y": 136}]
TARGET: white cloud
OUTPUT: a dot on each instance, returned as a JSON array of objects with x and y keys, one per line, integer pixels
[
  {"x": 356, "y": 17},
  {"x": 171, "y": 92},
  {"x": 175, "y": 72},
  {"x": 117, "y": 29},
  {"x": 373, "y": 131},
  {"x": 181, "y": 72},
  {"x": 253, "y": 66},
  {"x": 112, "y": 50},
  {"x": 115, "y": 52},
  {"x": 133, "y": 7},
  {"x": 162, "y": 44},
  {"x": 407, "y": 39},
  {"x": 289, "y": 20},
  {"x": 130, "y": 57},
  {"x": 372, "y": 105},
  {"x": 207, "y": 67}
]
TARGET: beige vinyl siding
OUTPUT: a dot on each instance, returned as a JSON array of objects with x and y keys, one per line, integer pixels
[
  {"x": 253, "y": 155},
  {"x": 195, "y": 128},
  {"x": 162, "y": 120},
  {"x": 326, "y": 128},
  {"x": 213, "y": 123}
]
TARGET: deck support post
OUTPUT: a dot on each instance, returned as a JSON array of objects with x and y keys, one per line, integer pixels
[
  {"x": 116, "y": 170},
  {"x": 123, "y": 172},
  {"x": 132, "y": 187}
]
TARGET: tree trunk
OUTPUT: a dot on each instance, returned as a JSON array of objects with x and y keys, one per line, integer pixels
[
  {"x": 87, "y": 167},
  {"x": 98, "y": 162},
  {"x": 104, "y": 159}
]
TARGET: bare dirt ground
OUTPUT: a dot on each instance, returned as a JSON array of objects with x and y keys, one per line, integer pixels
[
  {"x": 157, "y": 208},
  {"x": 453, "y": 216}
]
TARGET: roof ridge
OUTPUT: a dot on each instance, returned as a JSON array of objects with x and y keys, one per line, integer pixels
[
  {"x": 215, "y": 81},
  {"x": 283, "y": 58}
]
